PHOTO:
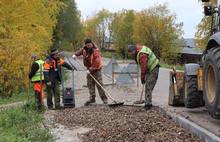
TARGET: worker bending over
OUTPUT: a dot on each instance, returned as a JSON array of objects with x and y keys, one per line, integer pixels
[{"x": 149, "y": 65}]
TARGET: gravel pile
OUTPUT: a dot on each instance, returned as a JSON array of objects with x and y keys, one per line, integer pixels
[{"x": 124, "y": 124}]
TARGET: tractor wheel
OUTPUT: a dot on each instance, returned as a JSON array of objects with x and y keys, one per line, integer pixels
[
  {"x": 192, "y": 99},
  {"x": 211, "y": 81}
]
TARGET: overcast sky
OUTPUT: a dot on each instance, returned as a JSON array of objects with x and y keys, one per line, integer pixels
[{"x": 189, "y": 12}]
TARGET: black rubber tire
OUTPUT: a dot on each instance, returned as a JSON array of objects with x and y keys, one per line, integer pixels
[
  {"x": 212, "y": 67},
  {"x": 192, "y": 98}
]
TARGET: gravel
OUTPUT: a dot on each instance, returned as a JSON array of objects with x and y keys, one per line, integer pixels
[{"x": 124, "y": 124}]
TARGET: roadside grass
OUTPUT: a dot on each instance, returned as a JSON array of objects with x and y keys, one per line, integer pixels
[
  {"x": 16, "y": 98},
  {"x": 23, "y": 124}
]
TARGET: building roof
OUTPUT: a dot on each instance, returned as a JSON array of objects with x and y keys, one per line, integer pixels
[{"x": 190, "y": 47}]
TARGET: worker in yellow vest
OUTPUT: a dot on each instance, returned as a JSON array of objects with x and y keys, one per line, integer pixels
[
  {"x": 149, "y": 65},
  {"x": 36, "y": 76}
]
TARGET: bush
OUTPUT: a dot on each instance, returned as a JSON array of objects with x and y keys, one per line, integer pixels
[{"x": 23, "y": 125}]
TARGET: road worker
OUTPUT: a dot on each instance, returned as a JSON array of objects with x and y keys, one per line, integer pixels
[
  {"x": 149, "y": 65},
  {"x": 92, "y": 60},
  {"x": 36, "y": 76},
  {"x": 53, "y": 76}
]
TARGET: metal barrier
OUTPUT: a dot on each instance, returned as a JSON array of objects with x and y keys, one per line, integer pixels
[{"x": 125, "y": 71}]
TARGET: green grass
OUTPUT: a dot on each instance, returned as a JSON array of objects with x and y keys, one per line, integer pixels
[
  {"x": 16, "y": 98},
  {"x": 23, "y": 124}
]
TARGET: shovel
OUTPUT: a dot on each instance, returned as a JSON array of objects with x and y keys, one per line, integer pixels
[
  {"x": 115, "y": 103},
  {"x": 140, "y": 101}
]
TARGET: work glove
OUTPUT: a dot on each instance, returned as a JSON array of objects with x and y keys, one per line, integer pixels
[
  {"x": 74, "y": 56},
  {"x": 88, "y": 72},
  {"x": 143, "y": 81}
]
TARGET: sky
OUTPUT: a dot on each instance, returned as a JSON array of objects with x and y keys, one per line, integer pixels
[{"x": 190, "y": 12}]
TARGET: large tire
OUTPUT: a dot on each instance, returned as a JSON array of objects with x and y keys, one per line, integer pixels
[
  {"x": 192, "y": 97},
  {"x": 211, "y": 81}
]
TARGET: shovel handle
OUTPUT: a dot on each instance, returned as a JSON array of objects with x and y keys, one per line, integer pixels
[
  {"x": 107, "y": 93},
  {"x": 102, "y": 88},
  {"x": 142, "y": 91}
]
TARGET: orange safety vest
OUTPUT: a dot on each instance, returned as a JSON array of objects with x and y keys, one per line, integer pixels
[
  {"x": 51, "y": 63},
  {"x": 96, "y": 64}
]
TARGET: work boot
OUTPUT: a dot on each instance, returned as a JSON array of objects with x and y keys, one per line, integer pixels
[
  {"x": 105, "y": 101},
  {"x": 59, "y": 108},
  {"x": 148, "y": 106},
  {"x": 50, "y": 107},
  {"x": 90, "y": 101}
]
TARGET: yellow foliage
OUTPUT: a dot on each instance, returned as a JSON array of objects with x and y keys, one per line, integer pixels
[
  {"x": 26, "y": 27},
  {"x": 157, "y": 28}
]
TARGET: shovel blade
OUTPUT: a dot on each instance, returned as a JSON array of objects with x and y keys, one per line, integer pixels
[
  {"x": 139, "y": 102},
  {"x": 116, "y": 104}
]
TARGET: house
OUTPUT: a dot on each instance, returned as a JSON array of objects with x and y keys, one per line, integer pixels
[{"x": 190, "y": 53}]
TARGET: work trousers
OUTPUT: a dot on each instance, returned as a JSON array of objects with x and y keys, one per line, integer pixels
[
  {"x": 91, "y": 83},
  {"x": 53, "y": 90},
  {"x": 39, "y": 94},
  {"x": 38, "y": 100},
  {"x": 150, "y": 83}
]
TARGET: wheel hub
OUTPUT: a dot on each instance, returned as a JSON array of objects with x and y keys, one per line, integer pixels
[{"x": 210, "y": 84}]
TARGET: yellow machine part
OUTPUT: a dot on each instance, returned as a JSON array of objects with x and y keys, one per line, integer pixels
[{"x": 199, "y": 76}]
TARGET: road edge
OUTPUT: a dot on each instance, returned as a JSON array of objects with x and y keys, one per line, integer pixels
[{"x": 197, "y": 130}]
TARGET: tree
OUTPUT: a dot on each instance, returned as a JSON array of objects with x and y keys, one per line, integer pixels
[
  {"x": 122, "y": 30},
  {"x": 69, "y": 31},
  {"x": 156, "y": 28},
  {"x": 26, "y": 27},
  {"x": 97, "y": 27}
]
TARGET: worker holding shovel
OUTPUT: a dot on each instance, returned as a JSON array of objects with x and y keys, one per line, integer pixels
[
  {"x": 149, "y": 65},
  {"x": 93, "y": 62},
  {"x": 37, "y": 77}
]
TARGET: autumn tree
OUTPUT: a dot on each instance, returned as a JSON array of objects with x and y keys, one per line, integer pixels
[
  {"x": 122, "y": 30},
  {"x": 157, "y": 28},
  {"x": 204, "y": 29},
  {"x": 26, "y": 27},
  {"x": 69, "y": 31},
  {"x": 97, "y": 27}
]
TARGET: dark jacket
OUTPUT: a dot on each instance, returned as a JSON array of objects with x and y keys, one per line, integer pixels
[
  {"x": 55, "y": 68},
  {"x": 34, "y": 69}
]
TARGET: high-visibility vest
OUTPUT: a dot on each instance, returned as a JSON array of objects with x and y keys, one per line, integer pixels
[
  {"x": 92, "y": 61},
  {"x": 152, "y": 59},
  {"x": 39, "y": 75}
]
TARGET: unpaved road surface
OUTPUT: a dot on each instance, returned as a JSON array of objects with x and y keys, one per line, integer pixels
[
  {"x": 123, "y": 124},
  {"x": 128, "y": 121}
]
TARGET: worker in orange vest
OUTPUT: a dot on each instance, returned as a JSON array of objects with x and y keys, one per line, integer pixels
[
  {"x": 53, "y": 76},
  {"x": 37, "y": 77},
  {"x": 92, "y": 60}
]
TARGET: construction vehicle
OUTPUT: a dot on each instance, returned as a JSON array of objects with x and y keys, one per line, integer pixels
[{"x": 199, "y": 84}]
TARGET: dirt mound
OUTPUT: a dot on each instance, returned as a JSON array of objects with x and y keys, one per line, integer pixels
[{"x": 130, "y": 124}]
